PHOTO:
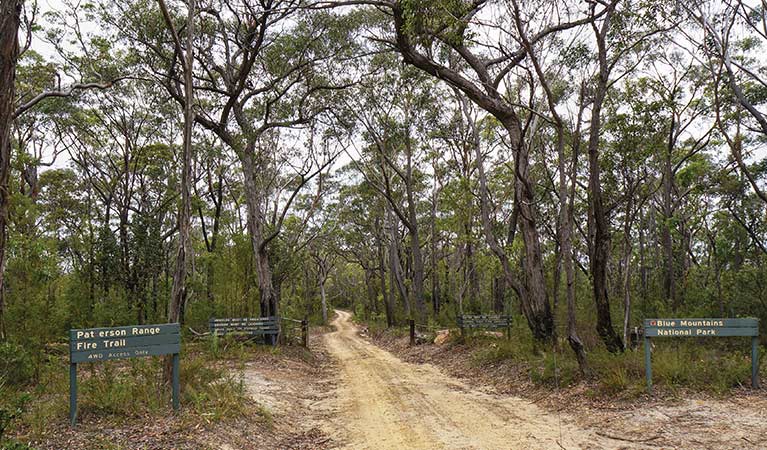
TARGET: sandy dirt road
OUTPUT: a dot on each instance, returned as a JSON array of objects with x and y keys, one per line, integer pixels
[{"x": 385, "y": 403}]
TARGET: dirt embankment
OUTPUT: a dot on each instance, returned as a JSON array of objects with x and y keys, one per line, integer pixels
[
  {"x": 292, "y": 393},
  {"x": 683, "y": 422}
]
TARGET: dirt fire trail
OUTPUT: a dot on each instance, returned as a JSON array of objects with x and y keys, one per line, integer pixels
[{"x": 385, "y": 403}]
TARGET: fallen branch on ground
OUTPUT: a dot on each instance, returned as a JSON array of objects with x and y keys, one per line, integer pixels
[{"x": 618, "y": 438}]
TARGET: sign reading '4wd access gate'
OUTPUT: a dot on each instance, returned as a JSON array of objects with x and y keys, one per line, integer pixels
[
  {"x": 654, "y": 328},
  {"x": 102, "y": 344}
]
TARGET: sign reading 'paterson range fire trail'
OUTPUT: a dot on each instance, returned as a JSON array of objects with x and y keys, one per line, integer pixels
[
  {"x": 103, "y": 344},
  {"x": 655, "y": 328}
]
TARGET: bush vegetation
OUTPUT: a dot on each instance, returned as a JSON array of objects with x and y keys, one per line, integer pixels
[{"x": 211, "y": 390}]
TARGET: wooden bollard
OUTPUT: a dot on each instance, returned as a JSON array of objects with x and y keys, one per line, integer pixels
[
  {"x": 412, "y": 332},
  {"x": 305, "y": 332}
]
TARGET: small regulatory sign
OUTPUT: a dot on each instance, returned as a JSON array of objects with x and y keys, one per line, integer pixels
[
  {"x": 102, "y": 344},
  {"x": 748, "y": 327}
]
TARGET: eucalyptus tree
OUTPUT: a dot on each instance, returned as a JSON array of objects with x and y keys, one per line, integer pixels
[
  {"x": 622, "y": 37},
  {"x": 729, "y": 42},
  {"x": 635, "y": 136},
  {"x": 556, "y": 90},
  {"x": 17, "y": 16},
  {"x": 362, "y": 238},
  {"x": 185, "y": 53},
  {"x": 211, "y": 203},
  {"x": 430, "y": 35},
  {"x": 262, "y": 67},
  {"x": 677, "y": 89},
  {"x": 461, "y": 138},
  {"x": 324, "y": 265},
  {"x": 10, "y": 20},
  {"x": 396, "y": 112},
  {"x": 308, "y": 217}
]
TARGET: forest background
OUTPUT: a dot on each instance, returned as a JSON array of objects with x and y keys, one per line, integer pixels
[{"x": 577, "y": 165}]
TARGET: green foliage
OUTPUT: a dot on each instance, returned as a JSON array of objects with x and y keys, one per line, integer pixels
[
  {"x": 16, "y": 364},
  {"x": 214, "y": 393},
  {"x": 425, "y": 19},
  {"x": 228, "y": 347},
  {"x": 496, "y": 351},
  {"x": 553, "y": 370},
  {"x": 10, "y": 409},
  {"x": 711, "y": 365},
  {"x": 118, "y": 390}
]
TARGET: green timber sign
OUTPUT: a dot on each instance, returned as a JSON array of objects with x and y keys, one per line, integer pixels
[
  {"x": 102, "y": 344},
  {"x": 655, "y": 328}
]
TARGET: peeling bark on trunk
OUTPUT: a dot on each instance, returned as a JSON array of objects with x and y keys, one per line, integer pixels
[
  {"x": 600, "y": 258},
  {"x": 532, "y": 294},
  {"x": 601, "y": 247},
  {"x": 10, "y": 12},
  {"x": 536, "y": 302},
  {"x": 254, "y": 203},
  {"x": 183, "y": 253}
]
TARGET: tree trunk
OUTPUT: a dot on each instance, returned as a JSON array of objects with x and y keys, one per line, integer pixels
[
  {"x": 415, "y": 238},
  {"x": 395, "y": 264},
  {"x": 268, "y": 300},
  {"x": 10, "y": 13},
  {"x": 533, "y": 299},
  {"x": 669, "y": 282},
  {"x": 371, "y": 292},
  {"x": 434, "y": 246},
  {"x": 567, "y": 219},
  {"x": 600, "y": 257},
  {"x": 627, "y": 250},
  {"x": 535, "y": 303},
  {"x": 178, "y": 289},
  {"x": 499, "y": 294},
  {"x": 471, "y": 277},
  {"x": 600, "y": 251},
  {"x": 323, "y": 279},
  {"x": 183, "y": 254},
  {"x": 217, "y": 198},
  {"x": 387, "y": 298},
  {"x": 642, "y": 263}
]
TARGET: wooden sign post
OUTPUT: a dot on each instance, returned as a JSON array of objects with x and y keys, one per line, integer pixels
[
  {"x": 702, "y": 328},
  {"x": 103, "y": 344}
]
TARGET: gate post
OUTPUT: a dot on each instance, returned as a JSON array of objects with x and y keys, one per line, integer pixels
[
  {"x": 755, "y": 362},
  {"x": 72, "y": 394},
  {"x": 176, "y": 382},
  {"x": 648, "y": 363}
]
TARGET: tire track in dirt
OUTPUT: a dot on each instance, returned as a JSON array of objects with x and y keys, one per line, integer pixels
[{"x": 385, "y": 403}]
